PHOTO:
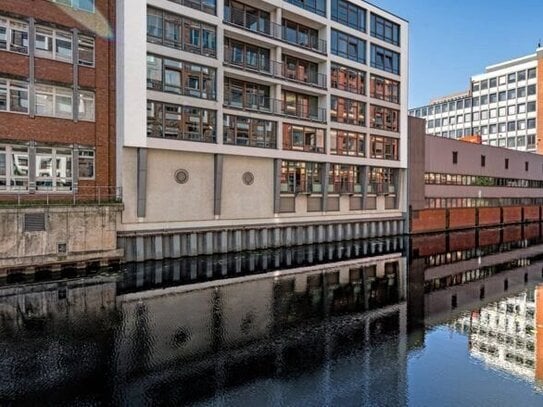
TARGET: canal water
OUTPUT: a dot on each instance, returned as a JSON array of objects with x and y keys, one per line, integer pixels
[{"x": 439, "y": 320}]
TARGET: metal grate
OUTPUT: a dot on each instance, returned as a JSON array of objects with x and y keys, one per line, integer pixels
[{"x": 34, "y": 222}]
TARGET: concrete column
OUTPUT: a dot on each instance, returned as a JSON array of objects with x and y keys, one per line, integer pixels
[
  {"x": 237, "y": 241},
  {"x": 320, "y": 234},
  {"x": 264, "y": 239},
  {"x": 193, "y": 244},
  {"x": 357, "y": 230},
  {"x": 348, "y": 231},
  {"x": 176, "y": 244},
  {"x": 288, "y": 236},
  {"x": 252, "y": 239},
  {"x": 330, "y": 233},
  {"x": 141, "y": 182},
  {"x": 158, "y": 247},
  {"x": 209, "y": 243},
  {"x": 276, "y": 237},
  {"x": 277, "y": 184},
  {"x": 140, "y": 249},
  {"x": 218, "y": 171},
  {"x": 310, "y": 235},
  {"x": 339, "y": 232},
  {"x": 365, "y": 230},
  {"x": 224, "y": 242},
  {"x": 75, "y": 70}
]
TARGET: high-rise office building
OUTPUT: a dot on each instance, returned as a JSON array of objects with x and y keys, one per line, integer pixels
[
  {"x": 257, "y": 123},
  {"x": 502, "y": 106}
]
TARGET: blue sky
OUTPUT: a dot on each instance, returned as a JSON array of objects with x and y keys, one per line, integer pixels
[{"x": 450, "y": 40}]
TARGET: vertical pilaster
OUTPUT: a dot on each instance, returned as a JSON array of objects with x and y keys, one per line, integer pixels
[
  {"x": 218, "y": 171},
  {"x": 75, "y": 70},
  {"x": 365, "y": 183},
  {"x": 324, "y": 182},
  {"x": 276, "y": 185},
  {"x": 141, "y": 182},
  {"x": 31, "y": 68}
]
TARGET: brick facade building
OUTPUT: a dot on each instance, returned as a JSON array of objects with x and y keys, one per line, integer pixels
[{"x": 57, "y": 97}]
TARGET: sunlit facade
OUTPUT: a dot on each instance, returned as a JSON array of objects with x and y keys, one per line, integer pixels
[{"x": 258, "y": 113}]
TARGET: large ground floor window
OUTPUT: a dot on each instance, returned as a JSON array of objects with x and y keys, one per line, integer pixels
[{"x": 50, "y": 169}]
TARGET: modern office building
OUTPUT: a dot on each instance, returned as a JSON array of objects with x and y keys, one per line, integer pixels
[
  {"x": 252, "y": 124},
  {"x": 502, "y": 105}
]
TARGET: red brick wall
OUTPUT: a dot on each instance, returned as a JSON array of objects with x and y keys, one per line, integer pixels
[
  {"x": 428, "y": 220},
  {"x": 512, "y": 214},
  {"x": 531, "y": 213},
  {"x": 462, "y": 240},
  {"x": 428, "y": 245},
  {"x": 512, "y": 233},
  {"x": 489, "y": 216},
  {"x": 531, "y": 230},
  {"x": 100, "y": 79},
  {"x": 461, "y": 218},
  {"x": 489, "y": 236}
]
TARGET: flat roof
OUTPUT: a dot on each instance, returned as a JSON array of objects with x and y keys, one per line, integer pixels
[{"x": 386, "y": 11}]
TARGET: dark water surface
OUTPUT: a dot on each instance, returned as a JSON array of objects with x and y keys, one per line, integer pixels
[{"x": 432, "y": 321}]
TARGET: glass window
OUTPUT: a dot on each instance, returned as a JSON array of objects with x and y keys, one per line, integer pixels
[
  {"x": 86, "y": 51},
  {"x": 248, "y": 131},
  {"x": 18, "y": 96},
  {"x": 349, "y": 47},
  {"x": 532, "y": 73},
  {"x": 385, "y": 29},
  {"x": 385, "y": 148},
  {"x": 303, "y": 138},
  {"x": 86, "y": 165},
  {"x": 349, "y": 14},
  {"x": 63, "y": 46},
  {"x": 348, "y": 79},
  {"x": 86, "y": 108},
  {"x": 349, "y": 111},
  {"x": 387, "y": 60}
]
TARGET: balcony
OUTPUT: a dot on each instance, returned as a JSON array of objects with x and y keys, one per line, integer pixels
[
  {"x": 274, "y": 69},
  {"x": 273, "y": 30},
  {"x": 258, "y": 103}
]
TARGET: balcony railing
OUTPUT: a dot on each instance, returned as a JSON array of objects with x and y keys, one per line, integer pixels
[
  {"x": 258, "y": 103},
  {"x": 275, "y": 69},
  {"x": 344, "y": 188},
  {"x": 381, "y": 188},
  {"x": 273, "y": 30},
  {"x": 81, "y": 195},
  {"x": 181, "y": 90}
]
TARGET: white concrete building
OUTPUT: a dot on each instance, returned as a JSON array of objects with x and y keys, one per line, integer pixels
[
  {"x": 250, "y": 124},
  {"x": 500, "y": 106}
]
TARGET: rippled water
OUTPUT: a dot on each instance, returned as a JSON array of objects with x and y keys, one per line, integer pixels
[{"x": 372, "y": 323}]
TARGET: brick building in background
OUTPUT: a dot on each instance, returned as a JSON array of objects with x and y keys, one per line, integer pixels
[
  {"x": 57, "y": 134},
  {"x": 57, "y": 97}
]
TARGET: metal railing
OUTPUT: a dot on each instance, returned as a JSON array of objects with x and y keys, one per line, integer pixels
[
  {"x": 209, "y": 7},
  {"x": 276, "y": 69},
  {"x": 82, "y": 195},
  {"x": 276, "y": 31},
  {"x": 268, "y": 105},
  {"x": 158, "y": 85},
  {"x": 344, "y": 188}
]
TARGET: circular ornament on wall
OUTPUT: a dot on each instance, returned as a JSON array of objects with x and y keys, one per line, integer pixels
[
  {"x": 248, "y": 178},
  {"x": 181, "y": 176}
]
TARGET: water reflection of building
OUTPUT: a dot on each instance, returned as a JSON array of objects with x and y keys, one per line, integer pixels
[
  {"x": 268, "y": 326},
  {"x": 506, "y": 334}
]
